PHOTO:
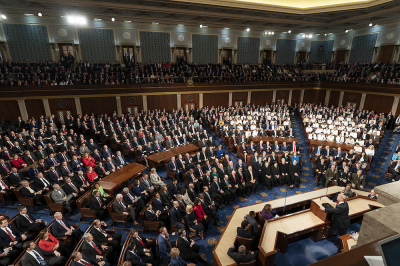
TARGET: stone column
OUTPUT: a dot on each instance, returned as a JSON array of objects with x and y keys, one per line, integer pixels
[
  {"x": 22, "y": 109},
  {"x": 78, "y": 106},
  {"x": 230, "y": 99},
  {"x": 46, "y": 107},
  {"x": 144, "y": 97},
  {"x": 301, "y": 96},
  {"x": 274, "y": 96},
  {"x": 290, "y": 97},
  {"x": 341, "y": 98},
  {"x": 362, "y": 101},
  {"x": 327, "y": 95},
  {"x": 200, "y": 100},
  {"x": 395, "y": 104},
  {"x": 119, "y": 105},
  {"x": 248, "y": 97},
  {"x": 178, "y": 101}
]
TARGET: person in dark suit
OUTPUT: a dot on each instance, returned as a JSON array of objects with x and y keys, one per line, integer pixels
[
  {"x": 61, "y": 227},
  {"x": 143, "y": 244},
  {"x": 100, "y": 235},
  {"x": 243, "y": 230},
  {"x": 10, "y": 236},
  {"x": 72, "y": 187},
  {"x": 251, "y": 180},
  {"x": 26, "y": 223},
  {"x": 14, "y": 177},
  {"x": 218, "y": 193},
  {"x": 5, "y": 168},
  {"x": 34, "y": 255},
  {"x": 30, "y": 191},
  {"x": 99, "y": 205},
  {"x": 243, "y": 255},
  {"x": 155, "y": 216},
  {"x": 176, "y": 216},
  {"x": 79, "y": 259},
  {"x": 340, "y": 219},
  {"x": 7, "y": 190},
  {"x": 95, "y": 250},
  {"x": 120, "y": 160},
  {"x": 138, "y": 258},
  {"x": 190, "y": 250},
  {"x": 164, "y": 247}
]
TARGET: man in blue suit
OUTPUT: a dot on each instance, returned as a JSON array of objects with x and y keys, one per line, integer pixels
[
  {"x": 164, "y": 247},
  {"x": 55, "y": 176},
  {"x": 176, "y": 216},
  {"x": 10, "y": 236},
  {"x": 157, "y": 147},
  {"x": 111, "y": 165},
  {"x": 107, "y": 152},
  {"x": 61, "y": 227},
  {"x": 52, "y": 160},
  {"x": 79, "y": 259},
  {"x": 77, "y": 164},
  {"x": 173, "y": 166}
]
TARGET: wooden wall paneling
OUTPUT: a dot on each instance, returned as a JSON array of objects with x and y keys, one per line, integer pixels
[
  {"x": 98, "y": 105},
  {"x": 161, "y": 101},
  {"x": 189, "y": 99},
  {"x": 351, "y": 97},
  {"x": 239, "y": 97},
  {"x": 58, "y": 104},
  {"x": 216, "y": 99},
  {"x": 261, "y": 97},
  {"x": 386, "y": 53},
  {"x": 282, "y": 95},
  {"x": 131, "y": 101},
  {"x": 334, "y": 98},
  {"x": 314, "y": 96},
  {"x": 378, "y": 103},
  {"x": 35, "y": 108},
  {"x": 295, "y": 96},
  {"x": 9, "y": 111}
]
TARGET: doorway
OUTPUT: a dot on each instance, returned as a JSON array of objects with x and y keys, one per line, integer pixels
[
  {"x": 189, "y": 107},
  {"x": 62, "y": 114},
  {"x": 351, "y": 105},
  {"x": 386, "y": 53},
  {"x": 133, "y": 110},
  {"x": 65, "y": 49},
  {"x": 226, "y": 56},
  {"x": 128, "y": 54},
  {"x": 266, "y": 57},
  {"x": 238, "y": 103},
  {"x": 302, "y": 57},
  {"x": 181, "y": 54},
  {"x": 341, "y": 56}
]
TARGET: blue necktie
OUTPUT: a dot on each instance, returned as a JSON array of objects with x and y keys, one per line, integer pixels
[
  {"x": 39, "y": 258},
  {"x": 217, "y": 186},
  {"x": 134, "y": 253}
]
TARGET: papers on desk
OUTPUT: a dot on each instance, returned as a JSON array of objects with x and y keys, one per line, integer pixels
[{"x": 374, "y": 260}]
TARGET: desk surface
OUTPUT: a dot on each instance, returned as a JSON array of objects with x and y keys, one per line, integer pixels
[
  {"x": 288, "y": 225},
  {"x": 166, "y": 155},
  {"x": 119, "y": 177},
  {"x": 288, "y": 140},
  {"x": 229, "y": 234},
  {"x": 355, "y": 205},
  {"x": 331, "y": 144}
]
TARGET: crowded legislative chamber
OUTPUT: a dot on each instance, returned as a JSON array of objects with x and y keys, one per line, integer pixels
[{"x": 183, "y": 132}]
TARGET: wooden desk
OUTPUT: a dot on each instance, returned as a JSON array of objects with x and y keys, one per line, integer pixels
[
  {"x": 115, "y": 180},
  {"x": 163, "y": 156},
  {"x": 346, "y": 243},
  {"x": 273, "y": 139},
  {"x": 331, "y": 144},
  {"x": 353, "y": 257}
]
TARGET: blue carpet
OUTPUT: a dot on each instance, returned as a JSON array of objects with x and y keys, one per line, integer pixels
[{"x": 302, "y": 252}]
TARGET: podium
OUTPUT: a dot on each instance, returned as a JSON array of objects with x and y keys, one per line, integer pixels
[{"x": 315, "y": 208}]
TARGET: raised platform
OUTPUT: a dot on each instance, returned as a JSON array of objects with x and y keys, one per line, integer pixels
[{"x": 388, "y": 193}]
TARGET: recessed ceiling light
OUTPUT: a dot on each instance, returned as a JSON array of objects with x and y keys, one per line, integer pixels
[
  {"x": 289, "y": 31},
  {"x": 370, "y": 24},
  {"x": 310, "y": 36},
  {"x": 227, "y": 28},
  {"x": 248, "y": 29},
  {"x": 204, "y": 26},
  {"x": 285, "y": 32},
  {"x": 77, "y": 20},
  {"x": 201, "y": 26},
  {"x": 317, "y": 34},
  {"x": 181, "y": 25},
  {"x": 39, "y": 14},
  {"x": 155, "y": 23},
  {"x": 128, "y": 21},
  {"x": 3, "y": 16},
  {"x": 28, "y": 14},
  {"x": 346, "y": 31},
  {"x": 112, "y": 19},
  {"x": 97, "y": 19},
  {"x": 326, "y": 34}
]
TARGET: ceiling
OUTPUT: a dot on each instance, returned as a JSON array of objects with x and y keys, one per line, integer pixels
[{"x": 311, "y": 16}]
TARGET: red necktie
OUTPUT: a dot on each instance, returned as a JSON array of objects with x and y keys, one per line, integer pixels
[
  {"x": 5, "y": 167},
  {"x": 101, "y": 204},
  {"x": 54, "y": 161},
  {"x": 337, "y": 203},
  {"x": 31, "y": 158},
  {"x": 96, "y": 248},
  {"x": 85, "y": 263},
  {"x": 241, "y": 177},
  {"x": 4, "y": 184},
  {"x": 55, "y": 172},
  {"x": 201, "y": 172},
  {"x": 141, "y": 241},
  {"x": 84, "y": 181},
  {"x": 66, "y": 168},
  {"x": 73, "y": 186},
  {"x": 104, "y": 232},
  {"x": 11, "y": 144},
  {"x": 63, "y": 225},
  {"x": 10, "y": 235},
  {"x": 129, "y": 146},
  {"x": 9, "y": 157},
  {"x": 44, "y": 168}
]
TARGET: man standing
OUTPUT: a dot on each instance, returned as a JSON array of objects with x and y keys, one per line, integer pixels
[{"x": 340, "y": 219}]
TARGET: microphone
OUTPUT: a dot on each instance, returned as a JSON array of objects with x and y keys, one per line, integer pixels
[
  {"x": 284, "y": 205},
  {"x": 326, "y": 194}
]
